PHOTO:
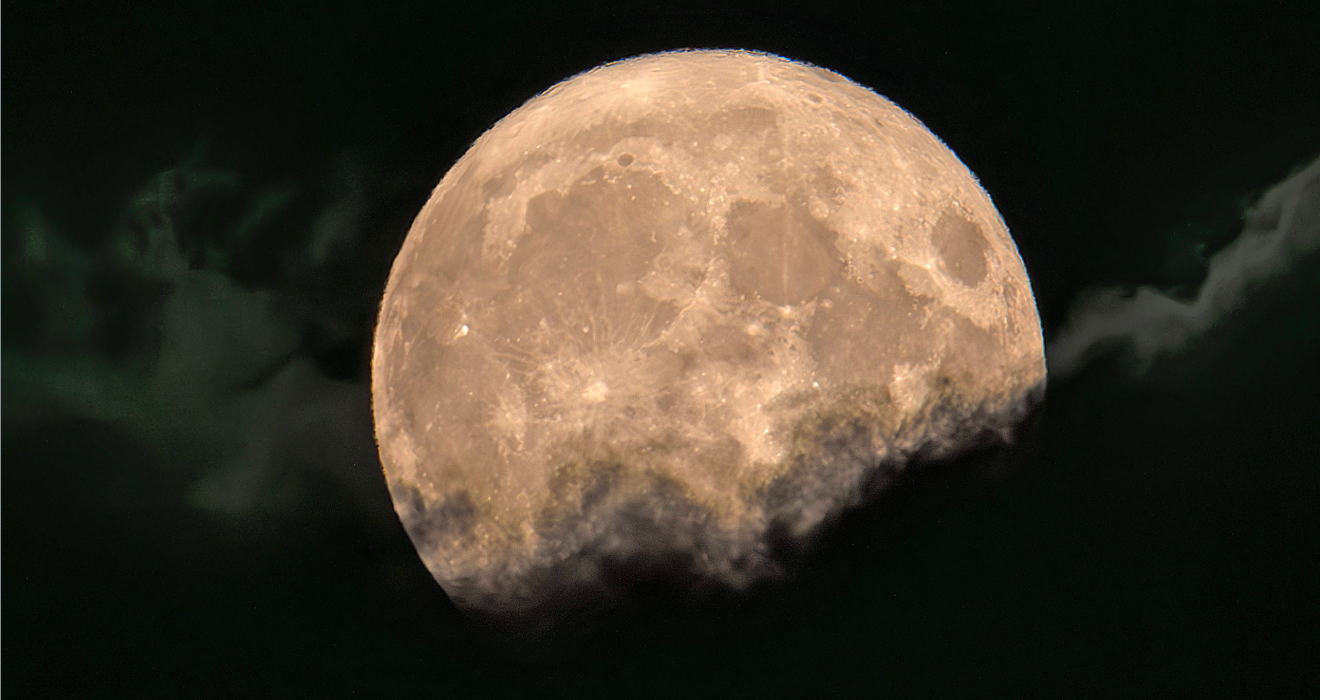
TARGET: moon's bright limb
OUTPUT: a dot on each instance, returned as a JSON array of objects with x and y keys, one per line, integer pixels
[{"x": 675, "y": 302}]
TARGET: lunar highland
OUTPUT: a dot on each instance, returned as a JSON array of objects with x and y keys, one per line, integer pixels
[{"x": 675, "y": 304}]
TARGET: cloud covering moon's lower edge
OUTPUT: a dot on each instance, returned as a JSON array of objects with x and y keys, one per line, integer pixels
[{"x": 632, "y": 524}]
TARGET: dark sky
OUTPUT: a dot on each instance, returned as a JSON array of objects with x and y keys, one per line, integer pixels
[{"x": 200, "y": 204}]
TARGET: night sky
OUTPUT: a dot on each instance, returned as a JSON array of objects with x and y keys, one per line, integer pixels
[{"x": 201, "y": 202}]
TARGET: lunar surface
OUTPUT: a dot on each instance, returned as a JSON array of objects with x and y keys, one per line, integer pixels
[{"x": 676, "y": 304}]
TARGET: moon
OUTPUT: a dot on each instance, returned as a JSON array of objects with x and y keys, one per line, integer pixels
[{"x": 678, "y": 303}]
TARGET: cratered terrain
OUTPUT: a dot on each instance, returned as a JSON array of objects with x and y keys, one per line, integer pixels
[{"x": 680, "y": 302}]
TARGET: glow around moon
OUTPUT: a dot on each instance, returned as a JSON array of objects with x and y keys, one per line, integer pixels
[{"x": 679, "y": 302}]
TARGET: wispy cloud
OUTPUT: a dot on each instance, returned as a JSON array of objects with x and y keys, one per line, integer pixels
[
  {"x": 1281, "y": 228},
  {"x": 189, "y": 328}
]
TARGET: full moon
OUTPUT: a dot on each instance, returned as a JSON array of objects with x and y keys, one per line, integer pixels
[{"x": 677, "y": 306}]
